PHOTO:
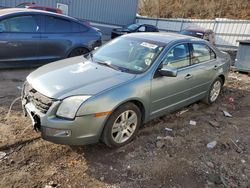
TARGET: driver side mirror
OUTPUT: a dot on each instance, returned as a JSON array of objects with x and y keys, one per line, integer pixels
[{"x": 168, "y": 71}]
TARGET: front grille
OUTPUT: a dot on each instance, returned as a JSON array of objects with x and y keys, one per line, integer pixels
[{"x": 41, "y": 102}]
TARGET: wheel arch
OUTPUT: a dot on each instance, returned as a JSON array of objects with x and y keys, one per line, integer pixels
[
  {"x": 138, "y": 103},
  {"x": 222, "y": 77},
  {"x": 75, "y": 47}
]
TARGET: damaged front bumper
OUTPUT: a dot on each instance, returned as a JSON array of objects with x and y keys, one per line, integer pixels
[
  {"x": 80, "y": 131},
  {"x": 42, "y": 111}
]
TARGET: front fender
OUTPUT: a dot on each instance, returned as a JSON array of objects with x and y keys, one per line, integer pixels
[{"x": 136, "y": 90}]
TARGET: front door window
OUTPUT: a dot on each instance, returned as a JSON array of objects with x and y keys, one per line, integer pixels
[{"x": 178, "y": 57}]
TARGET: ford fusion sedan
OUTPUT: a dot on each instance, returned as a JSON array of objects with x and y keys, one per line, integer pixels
[
  {"x": 132, "y": 29},
  {"x": 32, "y": 37},
  {"x": 109, "y": 94}
]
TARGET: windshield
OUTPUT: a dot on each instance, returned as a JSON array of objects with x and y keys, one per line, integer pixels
[
  {"x": 128, "y": 54},
  {"x": 192, "y": 33},
  {"x": 132, "y": 27}
]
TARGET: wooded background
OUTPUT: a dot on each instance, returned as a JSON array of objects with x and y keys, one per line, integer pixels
[{"x": 199, "y": 9}]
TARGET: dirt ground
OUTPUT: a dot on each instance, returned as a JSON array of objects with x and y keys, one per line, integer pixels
[{"x": 182, "y": 159}]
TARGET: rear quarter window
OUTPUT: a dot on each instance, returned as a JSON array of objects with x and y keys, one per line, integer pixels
[
  {"x": 202, "y": 53},
  {"x": 57, "y": 25},
  {"x": 76, "y": 27}
]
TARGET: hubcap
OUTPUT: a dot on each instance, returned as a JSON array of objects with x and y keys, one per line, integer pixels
[
  {"x": 215, "y": 91},
  {"x": 124, "y": 126}
]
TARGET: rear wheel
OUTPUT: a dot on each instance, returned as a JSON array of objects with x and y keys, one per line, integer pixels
[
  {"x": 122, "y": 125},
  {"x": 78, "y": 52},
  {"x": 214, "y": 91}
]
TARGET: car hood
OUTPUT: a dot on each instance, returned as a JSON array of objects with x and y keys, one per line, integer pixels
[{"x": 75, "y": 76}]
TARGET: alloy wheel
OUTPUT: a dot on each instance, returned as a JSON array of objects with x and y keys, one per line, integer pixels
[
  {"x": 124, "y": 126},
  {"x": 215, "y": 91}
]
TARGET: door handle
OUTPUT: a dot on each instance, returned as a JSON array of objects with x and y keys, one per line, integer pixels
[
  {"x": 188, "y": 76},
  {"x": 44, "y": 37},
  {"x": 36, "y": 37}
]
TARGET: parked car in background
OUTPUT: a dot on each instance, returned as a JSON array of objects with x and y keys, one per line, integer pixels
[
  {"x": 37, "y": 37},
  {"x": 38, "y": 7},
  {"x": 123, "y": 84},
  {"x": 206, "y": 34},
  {"x": 132, "y": 29},
  {"x": 50, "y": 9}
]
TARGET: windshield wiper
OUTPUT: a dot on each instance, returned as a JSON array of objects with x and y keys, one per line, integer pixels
[{"x": 108, "y": 65}]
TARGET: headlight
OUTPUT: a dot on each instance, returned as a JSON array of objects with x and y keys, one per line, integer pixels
[{"x": 69, "y": 106}]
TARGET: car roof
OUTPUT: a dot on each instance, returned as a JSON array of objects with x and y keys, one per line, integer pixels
[
  {"x": 162, "y": 37},
  {"x": 8, "y": 11}
]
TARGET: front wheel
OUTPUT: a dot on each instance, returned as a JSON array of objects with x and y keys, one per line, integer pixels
[
  {"x": 122, "y": 125},
  {"x": 214, "y": 91}
]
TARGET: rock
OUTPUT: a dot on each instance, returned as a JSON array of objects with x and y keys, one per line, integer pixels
[
  {"x": 215, "y": 178},
  {"x": 210, "y": 164},
  {"x": 214, "y": 124},
  {"x": 102, "y": 178},
  {"x": 211, "y": 145},
  {"x": 160, "y": 144}
]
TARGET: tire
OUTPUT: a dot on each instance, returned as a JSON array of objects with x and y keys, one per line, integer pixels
[
  {"x": 214, "y": 91},
  {"x": 78, "y": 52},
  {"x": 118, "y": 131}
]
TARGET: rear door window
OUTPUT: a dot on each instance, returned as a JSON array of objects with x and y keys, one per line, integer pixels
[
  {"x": 150, "y": 29},
  {"x": 202, "y": 53},
  {"x": 57, "y": 25},
  {"x": 20, "y": 24}
]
